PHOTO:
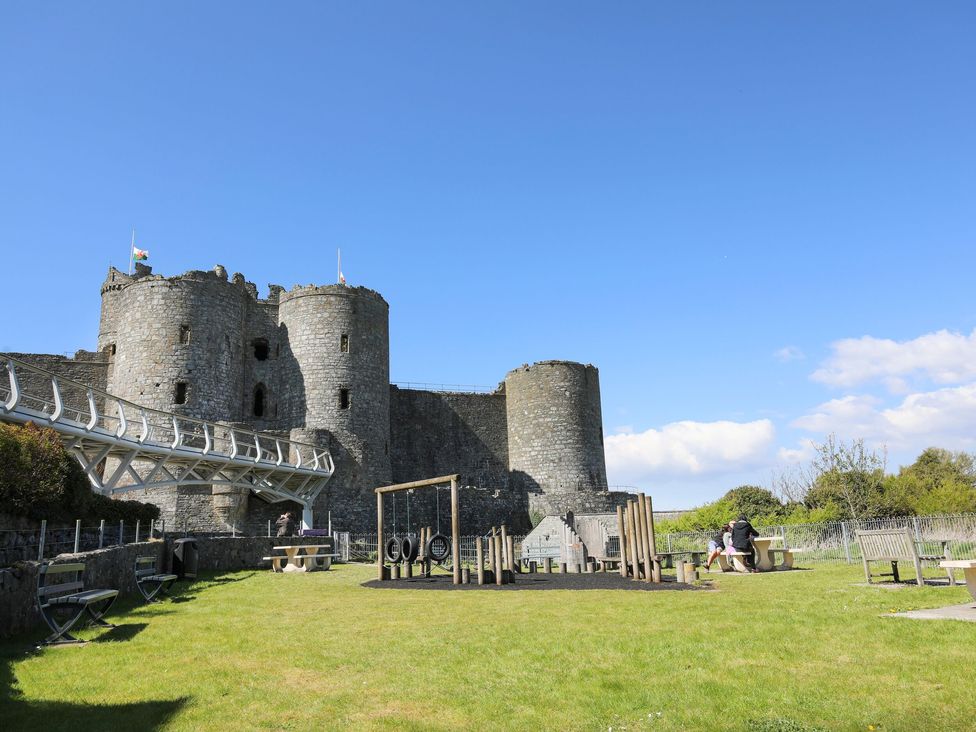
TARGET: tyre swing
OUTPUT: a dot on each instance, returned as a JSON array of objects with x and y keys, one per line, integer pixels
[
  {"x": 393, "y": 548},
  {"x": 438, "y": 547}
]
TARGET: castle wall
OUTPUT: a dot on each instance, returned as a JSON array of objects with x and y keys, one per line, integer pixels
[
  {"x": 263, "y": 339},
  {"x": 435, "y": 433},
  {"x": 555, "y": 436},
  {"x": 85, "y": 367}
]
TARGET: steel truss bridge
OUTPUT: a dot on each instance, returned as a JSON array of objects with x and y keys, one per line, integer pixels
[{"x": 122, "y": 446}]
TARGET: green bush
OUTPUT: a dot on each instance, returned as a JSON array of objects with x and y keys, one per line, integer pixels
[{"x": 40, "y": 480}]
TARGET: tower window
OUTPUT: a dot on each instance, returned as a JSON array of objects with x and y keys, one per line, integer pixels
[
  {"x": 261, "y": 349},
  {"x": 343, "y": 399},
  {"x": 180, "y": 396},
  {"x": 184, "y": 334},
  {"x": 344, "y": 343},
  {"x": 258, "y": 400}
]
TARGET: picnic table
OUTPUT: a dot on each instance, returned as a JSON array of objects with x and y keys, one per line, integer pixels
[
  {"x": 969, "y": 568},
  {"x": 295, "y": 561},
  {"x": 764, "y": 559}
]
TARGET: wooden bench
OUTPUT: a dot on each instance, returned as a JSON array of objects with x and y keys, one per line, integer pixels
[
  {"x": 893, "y": 545},
  {"x": 57, "y": 594},
  {"x": 149, "y": 582}
]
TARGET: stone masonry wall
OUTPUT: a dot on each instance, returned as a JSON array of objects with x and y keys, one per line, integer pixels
[{"x": 555, "y": 429}]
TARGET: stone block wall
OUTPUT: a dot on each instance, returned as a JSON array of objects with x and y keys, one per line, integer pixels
[{"x": 114, "y": 568}]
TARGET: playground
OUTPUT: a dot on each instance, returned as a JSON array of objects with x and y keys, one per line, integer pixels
[{"x": 795, "y": 651}]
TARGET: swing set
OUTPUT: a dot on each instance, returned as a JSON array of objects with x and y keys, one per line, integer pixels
[{"x": 407, "y": 549}]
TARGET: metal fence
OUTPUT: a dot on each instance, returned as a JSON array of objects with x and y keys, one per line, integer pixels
[
  {"x": 17, "y": 545},
  {"x": 834, "y": 542}
]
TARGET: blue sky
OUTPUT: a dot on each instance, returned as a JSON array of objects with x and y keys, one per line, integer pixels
[{"x": 756, "y": 219}]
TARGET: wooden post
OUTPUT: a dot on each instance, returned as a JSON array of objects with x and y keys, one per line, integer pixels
[
  {"x": 491, "y": 551},
  {"x": 645, "y": 532},
  {"x": 547, "y": 565},
  {"x": 679, "y": 567},
  {"x": 498, "y": 568},
  {"x": 465, "y": 576},
  {"x": 395, "y": 571},
  {"x": 511, "y": 554},
  {"x": 632, "y": 530},
  {"x": 379, "y": 537},
  {"x": 656, "y": 566},
  {"x": 622, "y": 541},
  {"x": 562, "y": 568},
  {"x": 455, "y": 533},
  {"x": 506, "y": 560},
  {"x": 480, "y": 552},
  {"x": 407, "y": 569}
]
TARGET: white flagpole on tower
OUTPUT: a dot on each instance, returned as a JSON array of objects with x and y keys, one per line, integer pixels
[{"x": 132, "y": 251}]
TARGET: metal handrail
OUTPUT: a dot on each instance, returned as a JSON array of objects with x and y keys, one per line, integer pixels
[{"x": 320, "y": 460}]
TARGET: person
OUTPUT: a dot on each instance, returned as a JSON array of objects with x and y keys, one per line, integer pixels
[
  {"x": 285, "y": 524},
  {"x": 716, "y": 545},
  {"x": 742, "y": 535}
]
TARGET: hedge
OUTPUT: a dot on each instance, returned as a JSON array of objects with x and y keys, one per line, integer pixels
[{"x": 40, "y": 480}]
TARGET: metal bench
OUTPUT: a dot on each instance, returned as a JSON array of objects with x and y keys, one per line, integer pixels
[
  {"x": 58, "y": 595},
  {"x": 893, "y": 545},
  {"x": 150, "y": 582}
]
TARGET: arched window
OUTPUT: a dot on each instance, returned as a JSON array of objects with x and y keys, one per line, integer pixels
[{"x": 259, "y": 394}]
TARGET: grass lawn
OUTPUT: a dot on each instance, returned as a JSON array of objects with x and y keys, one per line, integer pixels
[{"x": 255, "y": 650}]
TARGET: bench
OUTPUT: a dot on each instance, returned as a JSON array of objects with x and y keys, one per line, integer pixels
[
  {"x": 149, "y": 582},
  {"x": 968, "y": 566},
  {"x": 667, "y": 558},
  {"x": 893, "y": 545},
  {"x": 61, "y": 591},
  {"x": 787, "y": 560}
]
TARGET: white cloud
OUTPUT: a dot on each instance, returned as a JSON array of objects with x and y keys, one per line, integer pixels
[
  {"x": 688, "y": 448},
  {"x": 795, "y": 456},
  {"x": 944, "y": 417},
  {"x": 789, "y": 353},
  {"x": 943, "y": 356}
]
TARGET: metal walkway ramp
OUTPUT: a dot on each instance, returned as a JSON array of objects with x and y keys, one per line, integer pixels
[{"x": 123, "y": 447}]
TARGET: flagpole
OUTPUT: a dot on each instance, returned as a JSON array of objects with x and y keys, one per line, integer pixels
[{"x": 132, "y": 251}]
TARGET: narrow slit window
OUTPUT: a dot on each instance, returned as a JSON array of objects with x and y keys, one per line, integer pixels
[
  {"x": 258, "y": 409},
  {"x": 344, "y": 343},
  {"x": 184, "y": 334},
  {"x": 180, "y": 396},
  {"x": 111, "y": 349},
  {"x": 343, "y": 399}
]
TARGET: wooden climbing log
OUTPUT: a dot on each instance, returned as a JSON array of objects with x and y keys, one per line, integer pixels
[
  {"x": 622, "y": 541},
  {"x": 547, "y": 565},
  {"x": 632, "y": 531},
  {"x": 511, "y": 554},
  {"x": 506, "y": 559},
  {"x": 498, "y": 568},
  {"x": 455, "y": 532},
  {"x": 380, "y": 568},
  {"x": 480, "y": 559},
  {"x": 656, "y": 568},
  {"x": 648, "y": 557}
]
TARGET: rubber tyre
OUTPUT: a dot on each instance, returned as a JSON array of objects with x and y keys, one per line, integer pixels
[
  {"x": 438, "y": 548},
  {"x": 409, "y": 548},
  {"x": 394, "y": 549}
]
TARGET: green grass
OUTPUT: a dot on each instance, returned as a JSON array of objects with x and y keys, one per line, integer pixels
[{"x": 255, "y": 650}]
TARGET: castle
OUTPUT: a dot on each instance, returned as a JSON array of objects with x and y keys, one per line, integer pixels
[{"x": 312, "y": 363}]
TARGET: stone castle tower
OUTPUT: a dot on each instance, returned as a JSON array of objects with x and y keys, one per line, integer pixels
[{"x": 313, "y": 363}]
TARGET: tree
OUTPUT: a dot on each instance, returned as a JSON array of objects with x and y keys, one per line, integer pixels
[
  {"x": 850, "y": 476},
  {"x": 754, "y": 502},
  {"x": 939, "y": 481}
]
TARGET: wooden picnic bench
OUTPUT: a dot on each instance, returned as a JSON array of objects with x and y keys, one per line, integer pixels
[
  {"x": 149, "y": 582},
  {"x": 894, "y": 545},
  {"x": 294, "y": 561},
  {"x": 59, "y": 595}
]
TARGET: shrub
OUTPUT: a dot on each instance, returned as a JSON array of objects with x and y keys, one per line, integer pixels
[{"x": 40, "y": 480}]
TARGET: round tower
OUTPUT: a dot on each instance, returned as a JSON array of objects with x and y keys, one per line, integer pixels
[
  {"x": 338, "y": 346},
  {"x": 555, "y": 435},
  {"x": 180, "y": 344}
]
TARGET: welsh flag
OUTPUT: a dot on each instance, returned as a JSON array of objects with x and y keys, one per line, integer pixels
[{"x": 139, "y": 255}]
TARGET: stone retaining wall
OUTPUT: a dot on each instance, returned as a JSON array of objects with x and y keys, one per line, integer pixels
[{"x": 113, "y": 568}]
